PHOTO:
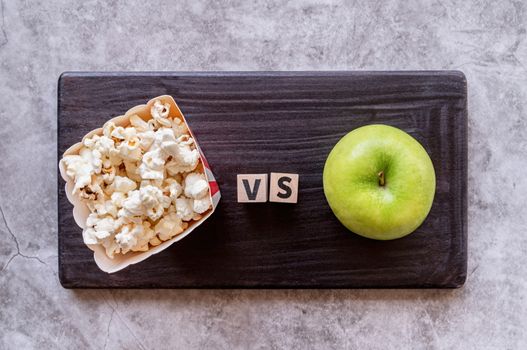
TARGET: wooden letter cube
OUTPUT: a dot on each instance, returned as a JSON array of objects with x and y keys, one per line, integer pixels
[
  {"x": 252, "y": 188},
  {"x": 283, "y": 188}
]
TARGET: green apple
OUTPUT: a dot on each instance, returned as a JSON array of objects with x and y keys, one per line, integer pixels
[{"x": 380, "y": 182}]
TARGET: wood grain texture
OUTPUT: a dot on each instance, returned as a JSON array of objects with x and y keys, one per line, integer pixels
[{"x": 251, "y": 123}]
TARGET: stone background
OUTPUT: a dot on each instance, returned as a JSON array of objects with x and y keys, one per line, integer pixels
[{"x": 486, "y": 39}]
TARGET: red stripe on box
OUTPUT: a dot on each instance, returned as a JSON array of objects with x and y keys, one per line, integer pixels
[{"x": 213, "y": 187}]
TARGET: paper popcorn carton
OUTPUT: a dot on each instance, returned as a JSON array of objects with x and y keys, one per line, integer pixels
[{"x": 81, "y": 210}]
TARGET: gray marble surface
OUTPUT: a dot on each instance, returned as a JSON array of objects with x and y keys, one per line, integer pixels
[{"x": 485, "y": 39}]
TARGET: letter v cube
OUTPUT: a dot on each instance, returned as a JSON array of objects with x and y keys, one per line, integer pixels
[{"x": 252, "y": 188}]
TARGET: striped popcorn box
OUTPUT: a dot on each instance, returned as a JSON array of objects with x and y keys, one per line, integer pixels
[{"x": 81, "y": 210}]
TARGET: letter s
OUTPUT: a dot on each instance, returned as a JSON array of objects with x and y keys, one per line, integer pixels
[{"x": 283, "y": 184}]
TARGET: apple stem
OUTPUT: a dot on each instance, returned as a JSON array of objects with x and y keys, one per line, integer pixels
[{"x": 381, "y": 178}]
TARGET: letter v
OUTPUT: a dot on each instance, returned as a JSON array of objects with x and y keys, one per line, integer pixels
[{"x": 251, "y": 194}]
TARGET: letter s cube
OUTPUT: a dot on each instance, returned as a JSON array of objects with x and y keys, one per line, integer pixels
[{"x": 283, "y": 188}]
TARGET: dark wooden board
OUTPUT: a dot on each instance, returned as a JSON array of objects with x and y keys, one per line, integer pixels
[{"x": 283, "y": 122}]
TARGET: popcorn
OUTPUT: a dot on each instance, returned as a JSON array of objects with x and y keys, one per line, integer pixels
[
  {"x": 132, "y": 170},
  {"x": 179, "y": 127},
  {"x": 148, "y": 201},
  {"x": 201, "y": 205},
  {"x": 147, "y": 138},
  {"x": 108, "y": 174},
  {"x": 173, "y": 187},
  {"x": 81, "y": 168},
  {"x": 118, "y": 133},
  {"x": 184, "y": 158},
  {"x": 196, "y": 186},
  {"x": 88, "y": 236},
  {"x": 123, "y": 184},
  {"x": 129, "y": 133},
  {"x": 132, "y": 206},
  {"x": 113, "y": 159},
  {"x": 117, "y": 199},
  {"x": 111, "y": 247},
  {"x": 144, "y": 239},
  {"x": 127, "y": 144},
  {"x": 164, "y": 135},
  {"x": 92, "y": 192},
  {"x": 99, "y": 229},
  {"x": 130, "y": 150},
  {"x": 102, "y": 144},
  {"x": 127, "y": 237},
  {"x": 152, "y": 166},
  {"x": 169, "y": 226},
  {"x": 159, "y": 112},
  {"x": 153, "y": 201},
  {"x": 138, "y": 123},
  {"x": 155, "y": 241},
  {"x": 104, "y": 227},
  {"x": 106, "y": 208},
  {"x": 156, "y": 183},
  {"x": 184, "y": 208},
  {"x": 134, "y": 237},
  {"x": 139, "y": 182},
  {"x": 107, "y": 128}
]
